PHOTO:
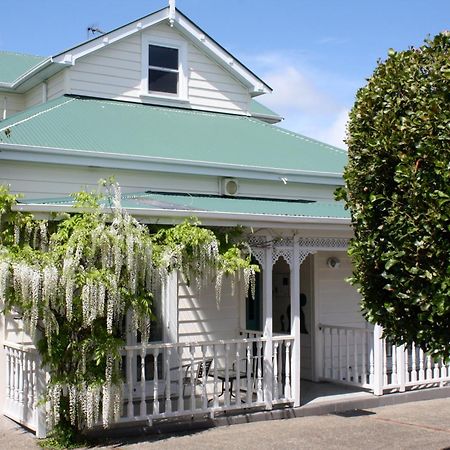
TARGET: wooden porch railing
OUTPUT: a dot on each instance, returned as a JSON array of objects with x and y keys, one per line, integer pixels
[
  {"x": 360, "y": 357},
  {"x": 25, "y": 382},
  {"x": 168, "y": 380},
  {"x": 203, "y": 377}
]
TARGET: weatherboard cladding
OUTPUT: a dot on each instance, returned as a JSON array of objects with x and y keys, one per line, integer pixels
[
  {"x": 13, "y": 65},
  {"x": 111, "y": 127},
  {"x": 196, "y": 203}
]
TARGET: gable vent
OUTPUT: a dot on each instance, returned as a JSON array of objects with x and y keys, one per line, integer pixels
[{"x": 230, "y": 187}]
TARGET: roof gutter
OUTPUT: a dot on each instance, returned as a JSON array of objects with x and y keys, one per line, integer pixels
[{"x": 27, "y": 153}]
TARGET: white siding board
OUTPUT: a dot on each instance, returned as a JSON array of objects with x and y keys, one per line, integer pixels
[
  {"x": 200, "y": 318},
  {"x": 115, "y": 72},
  {"x": 33, "y": 96},
  {"x": 338, "y": 300},
  {"x": 13, "y": 103},
  {"x": 36, "y": 180},
  {"x": 56, "y": 86}
]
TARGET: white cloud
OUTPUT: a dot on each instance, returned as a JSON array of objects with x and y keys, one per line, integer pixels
[
  {"x": 306, "y": 97},
  {"x": 335, "y": 133}
]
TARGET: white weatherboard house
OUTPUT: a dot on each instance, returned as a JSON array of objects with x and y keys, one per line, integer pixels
[{"x": 161, "y": 106}]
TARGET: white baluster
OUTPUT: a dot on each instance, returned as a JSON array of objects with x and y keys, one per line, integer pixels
[
  {"x": 275, "y": 370},
  {"x": 216, "y": 380},
  {"x": 356, "y": 335},
  {"x": 8, "y": 372},
  {"x": 401, "y": 367},
  {"x": 339, "y": 354},
  {"x": 332, "y": 363},
  {"x": 204, "y": 381},
  {"x": 436, "y": 371},
  {"x": 429, "y": 374},
  {"x": 413, "y": 363},
  {"x": 130, "y": 383},
  {"x": 394, "y": 373},
  {"x": 155, "y": 382},
  {"x": 167, "y": 391},
  {"x": 26, "y": 380},
  {"x": 347, "y": 356},
  {"x": 192, "y": 376},
  {"x": 16, "y": 376},
  {"x": 227, "y": 375},
  {"x": 443, "y": 372},
  {"x": 249, "y": 374},
  {"x": 237, "y": 386},
  {"x": 143, "y": 409},
  {"x": 280, "y": 370},
  {"x": 287, "y": 389},
  {"x": 421, "y": 365},
  {"x": 259, "y": 391},
  {"x": 363, "y": 358},
  {"x": 180, "y": 380}
]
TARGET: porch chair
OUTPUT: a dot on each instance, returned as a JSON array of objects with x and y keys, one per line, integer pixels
[{"x": 198, "y": 368}]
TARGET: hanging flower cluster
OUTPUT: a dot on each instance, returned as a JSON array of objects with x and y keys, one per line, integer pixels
[{"x": 76, "y": 280}]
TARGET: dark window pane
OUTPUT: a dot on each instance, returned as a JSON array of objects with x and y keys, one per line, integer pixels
[
  {"x": 163, "y": 57},
  {"x": 161, "y": 81}
]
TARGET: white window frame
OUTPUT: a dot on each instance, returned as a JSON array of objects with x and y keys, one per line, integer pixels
[{"x": 181, "y": 46}]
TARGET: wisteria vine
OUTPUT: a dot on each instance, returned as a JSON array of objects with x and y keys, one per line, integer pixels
[{"x": 74, "y": 280}]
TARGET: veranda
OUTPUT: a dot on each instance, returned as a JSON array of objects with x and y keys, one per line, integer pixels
[{"x": 197, "y": 374}]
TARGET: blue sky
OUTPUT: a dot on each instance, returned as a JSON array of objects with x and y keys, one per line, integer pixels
[{"x": 315, "y": 54}]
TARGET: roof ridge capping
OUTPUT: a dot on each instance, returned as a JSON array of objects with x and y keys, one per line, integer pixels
[{"x": 183, "y": 25}]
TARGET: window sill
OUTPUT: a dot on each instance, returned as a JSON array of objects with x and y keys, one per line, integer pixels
[{"x": 164, "y": 99}]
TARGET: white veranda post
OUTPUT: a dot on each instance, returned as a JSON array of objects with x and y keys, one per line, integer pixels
[
  {"x": 268, "y": 326},
  {"x": 295, "y": 321}
]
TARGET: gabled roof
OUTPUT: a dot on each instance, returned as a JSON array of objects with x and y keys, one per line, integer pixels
[
  {"x": 25, "y": 67},
  {"x": 187, "y": 28},
  {"x": 129, "y": 135},
  {"x": 163, "y": 204}
]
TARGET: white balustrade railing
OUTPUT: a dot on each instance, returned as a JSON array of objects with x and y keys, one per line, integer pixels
[
  {"x": 25, "y": 382},
  {"x": 358, "y": 356},
  {"x": 347, "y": 355},
  {"x": 167, "y": 380}
]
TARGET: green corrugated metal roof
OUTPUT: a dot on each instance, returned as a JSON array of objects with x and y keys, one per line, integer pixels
[
  {"x": 195, "y": 203},
  {"x": 130, "y": 129},
  {"x": 258, "y": 109},
  {"x": 13, "y": 65}
]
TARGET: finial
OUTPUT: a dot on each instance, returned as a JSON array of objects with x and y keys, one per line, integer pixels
[{"x": 171, "y": 12}]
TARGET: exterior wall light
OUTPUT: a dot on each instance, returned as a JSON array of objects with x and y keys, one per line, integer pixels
[{"x": 333, "y": 262}]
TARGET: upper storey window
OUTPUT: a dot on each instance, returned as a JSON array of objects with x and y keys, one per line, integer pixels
[
  {"x": 164, "y": 73},
  {"x": 163, "y": 69}
]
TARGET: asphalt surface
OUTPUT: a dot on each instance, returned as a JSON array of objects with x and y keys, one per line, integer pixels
[{"x": 417, "y": 425}]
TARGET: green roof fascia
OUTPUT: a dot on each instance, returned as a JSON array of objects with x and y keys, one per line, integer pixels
[
  {"x": 148, "y": 204},
  {"x": 102, "y": 129}
]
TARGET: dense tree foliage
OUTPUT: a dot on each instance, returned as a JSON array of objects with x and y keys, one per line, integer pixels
[{"x": 398, "y": 191}]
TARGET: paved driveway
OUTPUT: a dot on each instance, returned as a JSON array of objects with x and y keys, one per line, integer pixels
[{"x": 418, "y": 425}]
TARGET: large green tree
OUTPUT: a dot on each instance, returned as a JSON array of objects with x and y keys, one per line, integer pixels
[{"x": 398, "y": 191}]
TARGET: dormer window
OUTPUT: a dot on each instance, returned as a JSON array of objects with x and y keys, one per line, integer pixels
[{"x": 164, "y": 68}]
